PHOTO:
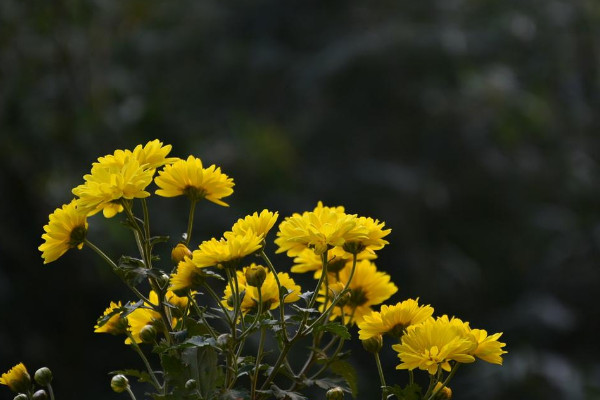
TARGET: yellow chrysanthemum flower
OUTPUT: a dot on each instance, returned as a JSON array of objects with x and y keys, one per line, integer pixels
[
  {"x": 393, "y": 319},
  {"x": 374, "y": 236},
  {"x": 368, "y": 287},
  {"x": 65, "y": 230},
  {"x": 17, "y": 379},
  {"x": 269, "y": 291},
  {"x": 433, "y": 343},
  {"x": 260, "y": 224},
  {"x": 150, "y": 156},
  {"x": 488, "y": 347},
  {"x": 187, "y": 276},
  {"x": 339, "y": 258},
  {"x": 320, "y": 229},
  {"x": 108, "y": 183},
  {"x": 142, "y": 316},
  {"x": 188, "y": 177},
  {"x": 228, "y": 251},
  {"x": 116, "y": 325}
]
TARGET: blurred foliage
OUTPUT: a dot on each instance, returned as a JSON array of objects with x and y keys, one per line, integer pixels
[{"x": 470, "y": 127}]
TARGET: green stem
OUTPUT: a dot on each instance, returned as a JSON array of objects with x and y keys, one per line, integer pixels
[
  {"x": 411, "y": 377},
  {"x": 212, "y": 293},
  {"x": 50, "y": 391},
  {"x": 139, "y": 351},
  {"x": 446, "y": 381},
  {"x": 259, "y": 353},
  {"x": 192, "y": 301},
  {"x": 281, "y": 299},
  {"x": 188, "y": 235},
  {"x": 381, "y": 377},
  {"x": 130, "y": 393}
]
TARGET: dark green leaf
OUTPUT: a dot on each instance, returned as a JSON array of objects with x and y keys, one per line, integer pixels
[
  {"x": 346, "y": 371},
  {"x": 334, "y": 328},
  {"x": 410, "y": 392}
]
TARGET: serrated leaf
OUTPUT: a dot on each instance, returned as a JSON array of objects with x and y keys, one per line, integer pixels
[
  {"x": 284, "y": 394},
  {"x": 346, "y": 371},
  {"x": 306, "y": 296},
  {"x": 158, "y": 239},
  {"x": 304, "y": 310},
  {"x": 410, "y": 392},
  {"x": 334, "y": 328}
]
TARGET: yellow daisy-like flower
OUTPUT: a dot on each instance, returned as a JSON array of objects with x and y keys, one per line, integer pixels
[
  {"x": 187, "y": 276},
  {"x": 260, "y": 224},
  {"x": 116, "y": 325},
  {"x": 228, "y": 251},
  {"x": 107, "y": 184},
  {"x": 488, "y": 347},
  {"x": 367, "y": 288},
  {"x": 374, "y": 240},
  {"x": 338, "y": 258},
  {"x": 188, "y": 177},
  {"x": 432, "y": 344},
  {"x": 17, "y": 379},
  {"x": 150, "y": 156},
  {"x": 66, "y": 229},
  {"x": 320, "y": 229},
  {"x": 269, "y": 291},
  {"x": 393, "y": 319}
]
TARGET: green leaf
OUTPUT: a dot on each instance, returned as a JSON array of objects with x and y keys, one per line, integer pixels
[
  {"x": 285, "y": 395},
  {"x": 334, "y": 328},
  {"x": 306, "y": 296},
  {"x": 141, "y": 375},
  {"x": 410, "y": 392},
  {"x": 158, "y": 239},
  {"x": 346, "y": 371}
]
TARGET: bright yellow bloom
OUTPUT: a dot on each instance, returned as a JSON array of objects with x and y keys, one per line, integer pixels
[
  {"x": 433, "y": 344},
  {"x": 109, "y": 183},
  {"x": 368, "y": 287},
  {"x": 150, "y": 156},
  {"x": 393, "y": 319},
  {"x": 339, "y": 258},
  {"x": 187, "y": 276},
  {"x": 375, "y": 234},
  {"x": 260, "y": 224},
  {"x": 269, "y": 291},
  {"x": 442, "y": 392},
  {"x": 488, "y": 347},
  {"x": 116, "y": 325},
  {"x": 188, "y": 177},
  {"x": 65, "y": 230},
  {"x": 17, "y": 378},
  {"x": 320, "y": 229},
  {"x": 226, "y": 252}
]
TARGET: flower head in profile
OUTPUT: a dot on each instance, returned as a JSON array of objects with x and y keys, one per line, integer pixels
[
  {"x": 368, "y": 287},
  {"x": 65, "y": 230},
  {"x": 190, "y": 178},
  {"x": 226, "y": 252},
  {"x": 338, "y": 258},
  {"x": 150, "y": 156},
  {"x": 433, "y": 344},
  {"x": 260, "y": 224},
  {"x": 374, "y": 236},
  {"x": 488, "y": 347},
  {"x": 116, "y": 324},
  {"x": 109, "y": 183},
  {"x": 17, "y": 379},
  {"x": 187, "y": 276},
  {"x": 393, "y": 319},
  {"x": 269, "y": 291},
  {"x": 320, "y": 230}
]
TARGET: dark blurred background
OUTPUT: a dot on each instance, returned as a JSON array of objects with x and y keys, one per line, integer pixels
[{"x": 469, "y": 127}]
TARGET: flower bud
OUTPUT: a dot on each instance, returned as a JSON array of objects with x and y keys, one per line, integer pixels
[
  {"x": 179, "y": 252},
  {"x": 43, "y": 376},
  {"x": 148, "y": 334},
  {"x": 255, "y": 275},
  {"x": 190, "y": 384},
  {"x": 20, "y": 397},
  {"x": 119, "y": 383},
  {"x": 163, "y": 280},
  {"x": 373, "y": 344},
  {"x": 442, "y": 392},
  {"x": 40, "y": 395},
  {"x": 335, "y": 393},
  {"x": 224, "y": 340}
]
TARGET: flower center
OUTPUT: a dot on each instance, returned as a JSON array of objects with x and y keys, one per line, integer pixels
[{"x": 77, "y": 236}]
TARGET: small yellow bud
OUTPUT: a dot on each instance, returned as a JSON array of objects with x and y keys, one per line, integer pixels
[
  {"x": 373, "y": 344},
  {"x": 335, "y": 393},
  {"x": 40, "y": 395},
  {"x": 442, "y": 392},
  {"x": 148, "y": 334},
  {"x": 119, "y": 383},
  {"x": 43, "y": 376},
  {"x": 179, "y": 252},
  {"x": 256, "y": 275}
]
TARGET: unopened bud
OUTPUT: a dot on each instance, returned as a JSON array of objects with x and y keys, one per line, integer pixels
[
  {"x": 43, "y": 376},
  {"x": 335, "y": 393},
  {"x": 40, "y": 395},
  {"x": 255, "y": 275},
  {"x": 163, "y": 280},
  {"x": 224, "y": 340},
  {"x": 179, "y": 252},
  {"x": 442, "y": 392},
  {"x": 190, "y": 384},
  {"x": 20, "y": 397},
  {"x": 119, "y": 383},
  {"x": 373, "y": 344},
  {"x": 148, "y": 334}
]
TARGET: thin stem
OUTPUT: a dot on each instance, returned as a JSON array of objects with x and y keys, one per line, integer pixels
[
  {"x": 281, "y": 299},
  {"x": 192, "y": 301},
  {"x": 446, "y": 381},
  {"x": 259, "y": 353},
  {"x": 128, "y": 389},
  {"x": 137, "y": 349},
  {"x": 215, "y": 297},
  {"x": 381, "y": 377},
  {"x": 411, "y": 377},
  {"x": 50, "y": 391},
  {"x": 188, "y": 235},
  {"x": 146, "y": 220}
]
